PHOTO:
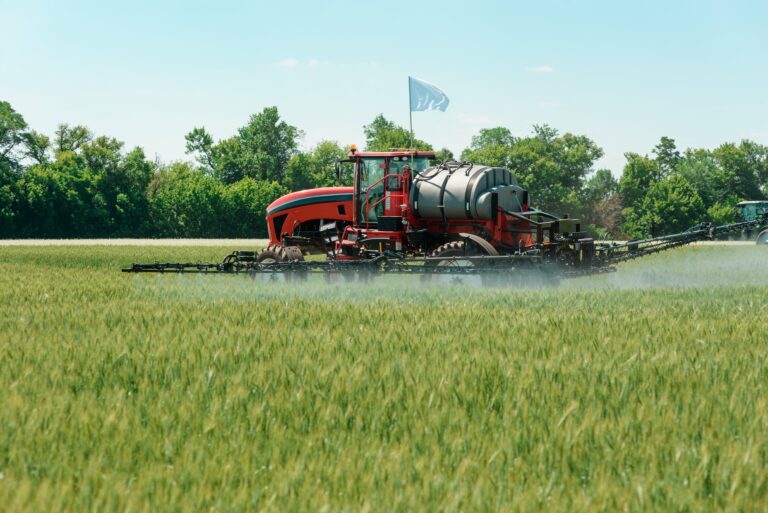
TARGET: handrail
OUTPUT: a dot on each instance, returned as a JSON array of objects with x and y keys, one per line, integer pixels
[{"x": 374, "y": 184}]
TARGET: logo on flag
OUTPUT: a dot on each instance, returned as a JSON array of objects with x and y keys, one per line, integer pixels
[{"x": 425, "y": 96}]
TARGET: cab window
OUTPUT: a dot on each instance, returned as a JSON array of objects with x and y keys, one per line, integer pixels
[
  {"x": 417, "y": 165},
  {"x": 371, "y": 172}
]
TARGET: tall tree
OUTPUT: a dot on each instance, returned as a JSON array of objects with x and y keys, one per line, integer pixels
[
  {"x": 70, "y": 138},
  {"x": 640, "y": 172},
  {"x": 600, "y": 186},
  {"x": 261, "y": 149},
  {"x": 671, "y": 205},
  {"x": 496, "y": 155},
  {"x": 12, "y": 138},
  {"x": 37, "y": 147},
  {"x": 380, "y": 125},
  {"x": 269, "y": 142},
  {"x": 748, "y": 162},
  {"x": 200, "y": 143},
  {"x": 186, "y": 202},
  {"x": 714, "y": 183},
  {"x": 317, "y": 168},
  {"x": 667, "y": 155},
  {"x": 443, "y": 154},
  {"x": 245, "y": 203},
  {"x": 12, "y": 133},
  {"x": 298, "y": 172},
  {"x": 324, "y": 158},
  {"x": 384, "y": 135},
  {"x": 498, "y": 136}
]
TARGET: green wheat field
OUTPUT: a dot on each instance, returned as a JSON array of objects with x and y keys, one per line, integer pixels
[{"x": 643, "y": 390}]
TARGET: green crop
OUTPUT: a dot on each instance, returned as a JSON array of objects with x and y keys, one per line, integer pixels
[{"x": 643, "y": 390}]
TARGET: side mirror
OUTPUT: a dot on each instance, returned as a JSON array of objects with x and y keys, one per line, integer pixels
[{"x": 337, "y": 168}]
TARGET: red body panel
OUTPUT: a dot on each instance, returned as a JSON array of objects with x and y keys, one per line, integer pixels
[{"x": 286, "y": 214}]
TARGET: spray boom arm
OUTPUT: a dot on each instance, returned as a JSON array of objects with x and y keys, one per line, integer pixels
[{"x": 611, "y": 254}]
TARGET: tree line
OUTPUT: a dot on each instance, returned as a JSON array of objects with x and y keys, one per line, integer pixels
[
  {"x": 666, "y": 191},
  {"x": 78, "y": 184}
]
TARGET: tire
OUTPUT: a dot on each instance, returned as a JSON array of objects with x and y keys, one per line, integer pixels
[
  {"x": 271, "y": 255},
  {"x": 278, "y": 254},
  {"x": 762, "y": 237},
  {"x": 522, "y": 275},
  {"x": 455, "y": 249},
  {"x": 452, "y": 251}
]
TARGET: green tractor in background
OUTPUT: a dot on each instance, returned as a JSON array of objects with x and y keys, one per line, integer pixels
[{"x": 752, "y": 210}]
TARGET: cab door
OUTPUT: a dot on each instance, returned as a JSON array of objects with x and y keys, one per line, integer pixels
[{"x": 370, "y": 187}]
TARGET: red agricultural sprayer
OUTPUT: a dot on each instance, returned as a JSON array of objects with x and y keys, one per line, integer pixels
[{"x": 406, "y": 215}]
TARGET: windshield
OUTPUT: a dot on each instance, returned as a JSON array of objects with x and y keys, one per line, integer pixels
[
  {"x": 419, "y": 164},
  {"x": 752, "y": 211}
]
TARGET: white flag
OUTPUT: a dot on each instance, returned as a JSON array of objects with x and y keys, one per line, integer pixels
[{"x": 425, "y": 96}]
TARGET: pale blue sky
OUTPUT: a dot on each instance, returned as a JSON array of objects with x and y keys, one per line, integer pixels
[{"x": 623, "y": 73}]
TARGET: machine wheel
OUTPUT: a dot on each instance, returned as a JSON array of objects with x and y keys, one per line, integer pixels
[
  {"x": 270, "y": 255},
  {"x": 275, "y": 254},
  {"x": 521, "y": 276},
  {"x": 762, "y": 237},
  {"x": 455, "y": 249},
  {"x": 452, "y": 251}
]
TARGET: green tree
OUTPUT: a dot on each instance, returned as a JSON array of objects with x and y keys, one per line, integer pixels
[
  {"x": 317, "y": 168},
  {"x": 231, "y": 160},
  {"x": 8, "y": 208},
  {"x": 498, "y": 136},
  {"x": 600, "y": 186},
  {"x": 70, "y": 138},
  {"x": 298, "y": 172},
  {"x": 269, "y": 143},
  {"x": 495, "y": 155},
  {"x": 324, "y": 158},
  {"x": 12, "y": 134},
  {"x": 245, "y": 204},
  {"x": 186, "y": 202},
  {"x": 379, "y": 125},
  {"x": 120, "y": 189},
  {"x": 667, "y": 156},
  {"x": 723, "y": 213},
  {"x": 53, "y": 201},
  {"x": 748, "y": 163},
  {"x": 261, "y": 149},
  {"x": 12, "y": 138},
  {"x": 95, "y": 190},
  {"x": 640, "y": 172},
  {"x": 38, "y": 147},
  {"x": 200, "y": 143},
  {"x": 715, "y": 184},
  {"x": 384, "y": 135},
  {"x": 672, "y": 205},
  {"x": 443, "y": 155}
]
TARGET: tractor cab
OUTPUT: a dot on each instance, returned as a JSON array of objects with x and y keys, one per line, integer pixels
[
  {"x": 382, "y": 181},
  {"x": 752, "y": 210}
]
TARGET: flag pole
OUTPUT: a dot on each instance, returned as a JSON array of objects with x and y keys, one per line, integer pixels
[
  {"x": 410, "y": 115},
  {"x": 410, "y": 121},
  {"x": 410, "y": 112}
]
